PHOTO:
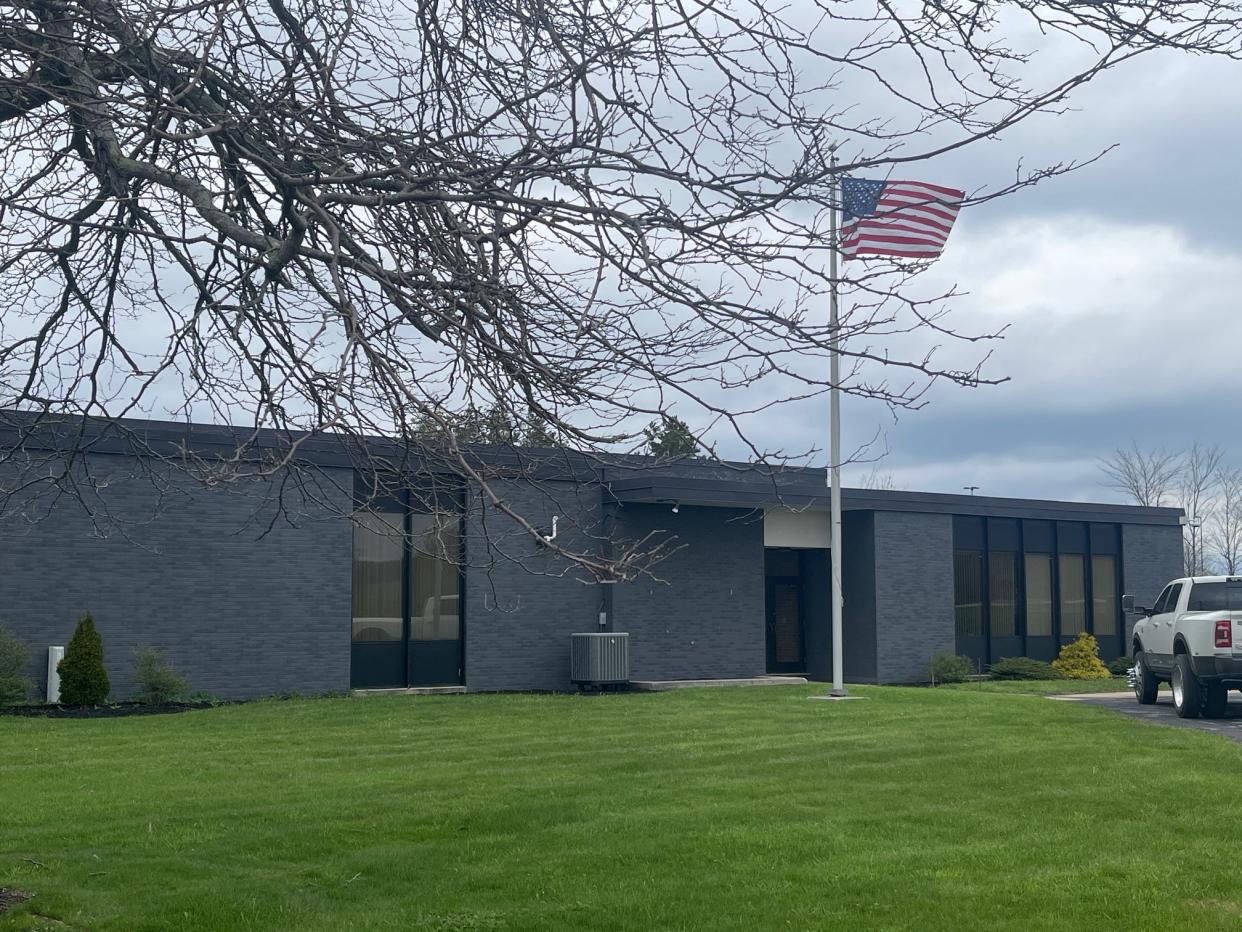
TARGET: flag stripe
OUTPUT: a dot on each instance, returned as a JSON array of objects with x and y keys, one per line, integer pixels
[
  {"x": 907, "y": 219},
  {"x": 905, "y": 216},
  {"x": 951, "y": 193},
  {"x": 922, "y": 208}
]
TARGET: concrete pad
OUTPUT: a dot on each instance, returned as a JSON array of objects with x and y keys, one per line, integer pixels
[
  {"x": 657, "y": 686},
  {"x": 411, "y": 691}
]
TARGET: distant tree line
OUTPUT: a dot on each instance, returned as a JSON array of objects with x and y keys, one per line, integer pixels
[{"x": 669, "y": 437}]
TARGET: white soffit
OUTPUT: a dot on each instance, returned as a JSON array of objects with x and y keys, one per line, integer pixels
[{"x": 784, "y": 528}]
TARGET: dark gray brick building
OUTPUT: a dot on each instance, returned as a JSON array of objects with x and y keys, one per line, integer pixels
[{"x": 265, "y": 586}]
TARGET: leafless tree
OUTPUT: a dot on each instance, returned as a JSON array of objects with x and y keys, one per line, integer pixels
[
  {"x": 875, "y": 479},
  {"x": 1225, "y": 533},
  {"x": 1149, "y": 477},
  {"x": 330, "y": 218},
  {"x": 1198, "y": 481}
]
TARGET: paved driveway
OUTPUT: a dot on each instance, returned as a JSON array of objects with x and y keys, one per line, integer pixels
[{"x": 1162, "y": 712}]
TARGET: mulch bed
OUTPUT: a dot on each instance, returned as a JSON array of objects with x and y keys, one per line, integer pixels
[
  {"x": 10, "y": 898},
  {"x": 116, "y": 710}
]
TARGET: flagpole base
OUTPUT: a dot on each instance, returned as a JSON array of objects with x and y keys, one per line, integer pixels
[{"x": 835, "y": 695}]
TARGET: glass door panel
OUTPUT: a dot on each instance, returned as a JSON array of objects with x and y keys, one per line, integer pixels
[
  {"x": 378, "y": 635},
  {"x": 435, "y": 595},
  {"x": 785, "y": 647}
]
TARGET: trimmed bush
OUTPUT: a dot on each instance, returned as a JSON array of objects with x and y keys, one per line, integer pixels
[
  {"x": 83, "y": 679},
  {"x": 1022, "y": 668},
  {"x": 158, "y": 683},
  {"x": 1080, "y": 660},
  {"x": 1120, "y": 666},
  {"x": 947, "y": 668},
  {"x": 15, "y": 686}
]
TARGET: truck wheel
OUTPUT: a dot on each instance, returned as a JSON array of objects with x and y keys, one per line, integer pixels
[
  {"x": 1145, "y": 683},
  {"x": 1216, "y": 700},
  {"x": 1187, "y": 696}
]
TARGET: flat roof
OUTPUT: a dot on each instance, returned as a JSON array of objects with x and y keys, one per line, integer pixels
[
  {"x": 763, "y": 492},
  {"x": 626, "y": 478}
]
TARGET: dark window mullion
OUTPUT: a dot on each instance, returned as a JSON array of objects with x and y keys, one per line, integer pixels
[
  {"x": 1056, "y": 588},
  {"x": 406, "y": 568}
]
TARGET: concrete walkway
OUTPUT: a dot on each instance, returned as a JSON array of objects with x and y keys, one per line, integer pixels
[{"x": 1162, "y": 713}]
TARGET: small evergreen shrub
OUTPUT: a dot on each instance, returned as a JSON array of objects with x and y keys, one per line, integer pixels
[
  {"x": 1120, "y": 666},
  {"x": 1022, "y": 668},
  {"x": 158, "y": 683},
  {"x": 1080, "y": 660},
  {"x": 83, "y": 679},
  {"x": 948, "y": 668},
  {"x": 15, "y": 686}
]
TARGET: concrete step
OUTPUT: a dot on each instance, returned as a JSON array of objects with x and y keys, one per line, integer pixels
[{"x": 410, "y": 691}]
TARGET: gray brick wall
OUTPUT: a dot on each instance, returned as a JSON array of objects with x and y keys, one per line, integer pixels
[
  {"x": 1151, "y": 555},
  {"x": 240, "y": 609},
  {"x": 522, "y": 602},
  {"x": 914, "y": 593},
  {"x": 706, "y": 619}
]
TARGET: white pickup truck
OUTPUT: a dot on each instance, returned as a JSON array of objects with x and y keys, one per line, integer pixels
[{"x": 1192, "y": 639}]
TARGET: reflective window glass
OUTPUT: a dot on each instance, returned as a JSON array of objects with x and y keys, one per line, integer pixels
[
  {"x": 377, "y": 576},
  {"x": 1073, "y": 594},
  {"x": 1039, "y": 595},
  {"x": 968, "y": 592},
  {"x": 434, "y": 578},
  {"x": 1104, "y": 594},
  {"x": 1003, "y": 592}
]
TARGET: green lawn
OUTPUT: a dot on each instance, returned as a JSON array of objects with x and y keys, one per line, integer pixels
[
  {"x": 1114, "y": 684},
  {"x": 747, "y": 809}
]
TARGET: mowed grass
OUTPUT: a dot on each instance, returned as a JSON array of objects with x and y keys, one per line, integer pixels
[
  {"x": 1113, "y": 684},
  {"x": 703, "y": 809}
]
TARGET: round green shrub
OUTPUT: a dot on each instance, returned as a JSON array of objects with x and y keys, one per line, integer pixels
[
  {"x": 947, "y": 668},
  {"x": 158, "y": 683},
  {"x": 83, "y": 679}
]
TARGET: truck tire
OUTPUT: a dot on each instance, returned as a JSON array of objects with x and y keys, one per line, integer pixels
[
  {"x": 1187, "y": 694},
  {"x": 1145, "y": 683},
  {"x": 1215, "y": 700}
]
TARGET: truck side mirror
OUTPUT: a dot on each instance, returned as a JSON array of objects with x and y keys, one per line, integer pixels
[{"x": 1127, "y": 604}]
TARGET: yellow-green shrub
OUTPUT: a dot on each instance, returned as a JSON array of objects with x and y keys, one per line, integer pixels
[{"x": 1080, "y": 660}]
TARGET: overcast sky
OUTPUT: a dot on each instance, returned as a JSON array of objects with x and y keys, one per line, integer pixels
[{"x": 1120, "y": 284}]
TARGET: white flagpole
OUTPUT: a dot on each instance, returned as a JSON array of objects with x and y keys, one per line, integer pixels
[{"x": 834, "y": 467}]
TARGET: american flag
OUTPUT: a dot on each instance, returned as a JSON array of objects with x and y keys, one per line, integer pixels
[{"x": 910, "y": 219}]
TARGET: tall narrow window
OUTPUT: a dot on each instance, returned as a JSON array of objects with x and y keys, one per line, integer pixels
[
  {"x": 1003, "y": 592},
  {"x": 968, "y": 592},
  {"x": 1039, "y": 595},
  {"x": 378, "y": 554},
  {"x": 1104, "y": 594},
  {"x": 1073, "y": 595},
  {"x": 434, "y": 578}
]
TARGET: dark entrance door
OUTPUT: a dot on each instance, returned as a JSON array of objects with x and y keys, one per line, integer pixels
[
  {"x": 407, "y": 591},
  {"x": 786, "y": 650}
]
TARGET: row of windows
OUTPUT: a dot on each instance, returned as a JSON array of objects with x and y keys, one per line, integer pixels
[
  {"x": 1035, "y": 578},
  {"x": 1043, "y": 576}
]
